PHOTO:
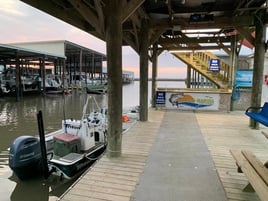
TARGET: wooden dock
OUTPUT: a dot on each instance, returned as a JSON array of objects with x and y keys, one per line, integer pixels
[
  {"x": 116, "y": 179},
  {"x": 226, "y": 131}
]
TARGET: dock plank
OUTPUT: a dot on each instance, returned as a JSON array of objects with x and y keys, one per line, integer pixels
[
  {"x": 221, "y": 131},
  {"x": 115, "y": 179},
  {"x": 223, "y": 135}
]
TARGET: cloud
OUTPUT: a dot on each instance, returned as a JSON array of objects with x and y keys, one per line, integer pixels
[
  {"x": 10, "y": 7},
  {"x": 164, "y": 72},
  {"x": 23, "y": 23},
  {"x": 85, "y": 39}
]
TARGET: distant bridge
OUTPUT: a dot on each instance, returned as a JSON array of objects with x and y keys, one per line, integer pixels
[{"x": 165, "y": 79}]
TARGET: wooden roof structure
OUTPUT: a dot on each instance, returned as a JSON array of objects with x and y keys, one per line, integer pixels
[
  {"x": 169, "y": 20},
  {"x": 159, "y": 25}
]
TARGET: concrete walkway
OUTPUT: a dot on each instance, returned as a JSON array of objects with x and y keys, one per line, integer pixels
[
  {"x": 179, "y": 166},
  {"x": 175, "y": 156}
]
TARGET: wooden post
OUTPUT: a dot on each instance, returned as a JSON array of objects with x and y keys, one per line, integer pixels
[
  {"x": 80, "y": 66},
  {"x": 114, "y": 66},
  {"x": 154, "y": 74},
  {"x": 144, "y": 43},
  {"x": 18, "y": 89},
  {"x": 93, "y": 67},
  {"x": 188, "y": 83},
  {"x": 64, "y": 78},
  {"x": 233, "y": 66},
  {"x": 43, "y": 72},
  {"x": 101, "y": 67},
  {"x": 258, "y": 63}
]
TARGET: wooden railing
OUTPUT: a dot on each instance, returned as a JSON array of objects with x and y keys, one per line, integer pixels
[
  {"x": 204, "y": 58},
  {"x": 199, "y": 61}
]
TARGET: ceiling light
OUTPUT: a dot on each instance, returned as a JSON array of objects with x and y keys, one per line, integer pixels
[
  {"x": 200, "y": 30},
  {"x": 180, "y": 51}
]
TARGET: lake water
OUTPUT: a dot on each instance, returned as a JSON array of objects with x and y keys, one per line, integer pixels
[{"x": 19, "y": 118}]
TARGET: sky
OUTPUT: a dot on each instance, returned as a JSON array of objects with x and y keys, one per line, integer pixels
[{"x": 23, "y": 23}]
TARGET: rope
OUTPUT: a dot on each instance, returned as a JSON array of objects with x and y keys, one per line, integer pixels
[{"x": 235, "y": 93}]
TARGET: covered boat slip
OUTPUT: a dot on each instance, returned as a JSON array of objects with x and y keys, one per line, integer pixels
[
  {"x": 151, "y": 27},
  {"x": 27, "y": 66},
  {"x": 58, "y": 63},
  {"x": 176, "y": 155}
]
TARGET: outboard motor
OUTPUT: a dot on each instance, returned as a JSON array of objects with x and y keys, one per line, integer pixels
[{"x": 25, "y": 157}]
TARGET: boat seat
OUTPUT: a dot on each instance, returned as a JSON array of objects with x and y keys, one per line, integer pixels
[
  {"x": 66, "y": 137},
  {"x": 71, "y": 157}
]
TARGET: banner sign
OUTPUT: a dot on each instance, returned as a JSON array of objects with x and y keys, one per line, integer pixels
[
  {"x": 244, "y": 78},
  {"x": 214, "y": 65},
  {"x": 160, "y": 98},
  {"x": 200, "y": 101}
]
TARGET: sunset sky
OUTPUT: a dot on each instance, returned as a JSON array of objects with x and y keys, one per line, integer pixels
[{"x": 22, "y": 23}]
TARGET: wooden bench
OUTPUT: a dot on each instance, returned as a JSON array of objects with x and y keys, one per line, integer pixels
[
  {"x": 254, "y": 170},
  {"x": 261, "y": 116}
]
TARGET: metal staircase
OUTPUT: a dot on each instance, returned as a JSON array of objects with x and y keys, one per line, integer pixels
[{"x": 199, "y": 62}]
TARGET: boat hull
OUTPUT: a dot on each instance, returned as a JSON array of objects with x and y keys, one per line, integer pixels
[
  {"x": 71, "y": 170},
  {"x": 54, "y": 90}
]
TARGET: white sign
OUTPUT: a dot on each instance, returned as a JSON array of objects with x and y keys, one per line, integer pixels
[
  {"x": 214, "y": 65},
  {"x": 188, "y": 100}
]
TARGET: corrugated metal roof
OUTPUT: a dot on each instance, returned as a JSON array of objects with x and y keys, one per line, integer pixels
[{"x": 10, "y": 52}]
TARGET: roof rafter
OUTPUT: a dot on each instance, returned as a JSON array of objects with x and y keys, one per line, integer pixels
[
  {"x": 130, "y": 7},
  {"x": 88, "y": 14}
]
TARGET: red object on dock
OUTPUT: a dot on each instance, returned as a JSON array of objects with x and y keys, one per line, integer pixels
[{"x": 125, "y": 118}]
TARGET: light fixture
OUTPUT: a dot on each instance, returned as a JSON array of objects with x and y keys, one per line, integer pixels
[
  {"x": 200, "y": 30},
  {"x": 180, "y": 51},
  {"x": 208, "y": 50}
]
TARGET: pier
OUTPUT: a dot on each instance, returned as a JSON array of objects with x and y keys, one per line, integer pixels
[
  {"x": 165, "y": 79},
  {"x": 176, "y": 155}
]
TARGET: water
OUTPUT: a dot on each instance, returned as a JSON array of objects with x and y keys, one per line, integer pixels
[{"x": 19, "y": 118}]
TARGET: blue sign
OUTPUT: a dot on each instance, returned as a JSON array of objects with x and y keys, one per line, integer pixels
[
  {"x": 214, "y": 65},
  {"x": 244, "y": 78},
  {"x": 160, "y": 98}
]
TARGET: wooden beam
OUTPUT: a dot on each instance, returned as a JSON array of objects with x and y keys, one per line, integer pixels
[
  {"x": 224, "y": 48},
  {"x": 186, "y": 38},
  {"x": 114, "y": 64},
  {"x": 170, "y": 11},
  {"x": 143, "y": 52},
  {"x": 136, "y": 37},
  {"x": 212, "y": 47},
  {"x": 195, "y": 40},
  {"x": 246, "y": 34},
  {"x": 259, "y": 56},
  {"x": 87, "y": 13},
  {"x": 68, "y": 15},
  {"x": 129, "y": 8},
  {"x": 156, "y": 35},
  {"x": 99, "y": 10},
  {"x": 154, "y": 74},
  {"x": 134, "y": 24},
  {"x": 130, "y": 41},
  {"x": 219, "y": 22}
]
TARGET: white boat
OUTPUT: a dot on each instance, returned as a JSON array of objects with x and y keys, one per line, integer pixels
[
  {"x": 66, "y": 152},
  {"x": 53, "y": 85}
]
